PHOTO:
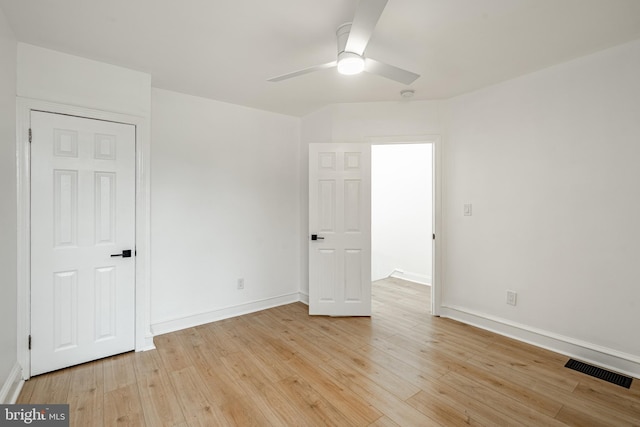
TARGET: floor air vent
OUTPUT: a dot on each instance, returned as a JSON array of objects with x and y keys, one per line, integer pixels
[{"x": 603, "y": 374}]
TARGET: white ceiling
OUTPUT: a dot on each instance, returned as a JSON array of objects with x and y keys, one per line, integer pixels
[{"x": 226, "y": 50}]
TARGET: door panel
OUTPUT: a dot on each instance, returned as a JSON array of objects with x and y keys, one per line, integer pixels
[
  {"x": 82, "y": 212},
  {"x": 340, "y": 214}
]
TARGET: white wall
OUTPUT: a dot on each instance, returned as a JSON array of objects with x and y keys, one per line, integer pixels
[
  {"x": 66, "y": 79},
  {"x": 550, "y": 162},
  {"x": 100, "y": 90},
  {"x": 8, "y": 209},
  {"x": 401, "y": 206},
  {"x": 225, "y": 205},
  {"x": 359, "y": 122}
]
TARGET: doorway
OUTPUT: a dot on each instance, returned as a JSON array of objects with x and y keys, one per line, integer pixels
[
  {"x": 143, "y": 334},
  {"x": 402, "y": 218},
  {"x": 340, "y": 226}
]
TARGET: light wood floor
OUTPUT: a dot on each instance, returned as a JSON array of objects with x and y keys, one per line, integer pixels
[{"x": 401, "y": 367}]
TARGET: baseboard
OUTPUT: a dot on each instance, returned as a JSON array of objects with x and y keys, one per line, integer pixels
[
  {"x": 12, "y": 386},
  {"x": 411, "y": 277},
  {"x": 303, "y": 298},
  {"x": 604, "y": 357},
  {"x": 148, "y": 344},
  {"x": 223, "y": 313}
]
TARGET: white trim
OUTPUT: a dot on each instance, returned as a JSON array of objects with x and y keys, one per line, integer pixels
[
  {"x": 437, "y": 282},
  {"x": 24, "y": 106},
  {"x": 403, "y": 139},
  {"x": 421, "y": 279},
  {"x": 180, "y": 323},
  {"x": 13, "y": 384},
  {"x": 608, "y": 358},
  {"x": 303, "y": 298}
]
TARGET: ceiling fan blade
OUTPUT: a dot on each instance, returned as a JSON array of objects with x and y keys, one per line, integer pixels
[
  {"x": 305, "y": 71},
  {"x": 389, "y": 71},
  {"x": 364, "y": 22}
]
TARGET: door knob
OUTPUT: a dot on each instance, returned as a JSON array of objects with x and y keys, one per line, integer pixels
[
  {"x": 316, "y": 237},
  {"x": 125, "y": 254}
]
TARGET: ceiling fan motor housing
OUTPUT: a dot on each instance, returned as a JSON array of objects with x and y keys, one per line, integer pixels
[
  {"x": 349, "y": 63},
  {"x": 342, "y": 34}
]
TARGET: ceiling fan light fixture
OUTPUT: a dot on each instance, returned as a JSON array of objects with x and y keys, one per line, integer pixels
[
  {"x": 350, "y": 63},
  {"x": 352, "y": 39}
]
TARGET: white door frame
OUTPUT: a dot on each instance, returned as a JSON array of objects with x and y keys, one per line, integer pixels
[
  {"x": 144, "y": 337},
  {"x": 435, "y": 141}
]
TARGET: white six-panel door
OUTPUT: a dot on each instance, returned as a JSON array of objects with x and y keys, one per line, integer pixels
[
  {"x": 340, "y": 217},
  {"x": 82, "y": 212}
]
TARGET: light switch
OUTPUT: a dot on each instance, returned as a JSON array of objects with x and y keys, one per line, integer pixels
[{"x": 467, "y": 209}]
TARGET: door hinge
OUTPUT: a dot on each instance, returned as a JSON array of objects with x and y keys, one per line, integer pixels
[
  {"x": 29, "y": 342},
  {"x": 30, "y": 135},
  {"x": 434, "y": 237}
]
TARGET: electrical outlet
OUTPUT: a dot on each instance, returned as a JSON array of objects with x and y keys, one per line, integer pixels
[
  {"x": 240, "y": 284},
  {"x": 467, "y": 209},
  {"x": 512, "y": 297}
]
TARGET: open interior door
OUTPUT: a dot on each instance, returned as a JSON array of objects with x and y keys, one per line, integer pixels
[{"x": 340, "y": 229}]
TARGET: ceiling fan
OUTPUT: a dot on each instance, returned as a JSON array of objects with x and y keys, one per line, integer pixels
[{"x": 353, "y": 38}]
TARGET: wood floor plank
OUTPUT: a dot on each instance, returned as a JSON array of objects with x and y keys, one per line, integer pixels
[
  {"x": 416, "y": 376},
  {"x": 352, "y": 406},
  {"x": 338, "y": 335},
  {"x": 270, "y": 364},
  {"x": 27, "y": 391},
  {"x": 147, "y": 362},
  {"x": 174, "y": 356},
  {"x": 445, "y": 342},
  {"x": 400, "y": 367},
  {"x": 255, "y": 380},
  {"x": 540, "y": 402},
  {"x": 384, "y": 401},
  {"x": 271, "y": 401},
  {"x": 575, "y": 417},
  {"x": 118, "y": 372},
  {"x": 538, "y": 383},
  {"x": 454, "y": 332},
  {"x": 157, "y": 395},
  {"x": 385, "y": 378},
  {"x": 328, "y": 343},
  {"x": 557, "y": 379},
  {"x": 218, "y": 341},
  {"x": 384, "y": 422},
  {"x": 86, "y": 395},
  {"x": 49, "y": 388},
  {"x": 315, "y": 408},
  {"x": 221, "y": 386},
  {"x": 195, "y": 400},
  {"x": 441, "y": 391},
  {"x": 419, "y": 360},
  {"x": 525, "y": 414},
  {"x": 243, "y": 412},
  {"x": 440, "y": 411},
  {"x": 603, "y": 392},
  {"x": 122, "y": 407},
  {"x": 295, "y": 340}
]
